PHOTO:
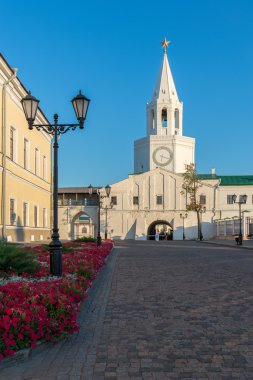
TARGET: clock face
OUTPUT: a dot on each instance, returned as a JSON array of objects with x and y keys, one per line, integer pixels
[{"x": 162, "y": 156}]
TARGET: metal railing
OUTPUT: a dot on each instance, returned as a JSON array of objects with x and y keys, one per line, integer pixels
[{"x": 80, "y": 202}]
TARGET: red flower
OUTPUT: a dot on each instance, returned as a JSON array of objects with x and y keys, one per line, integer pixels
[{"x": 48, "y": 309}]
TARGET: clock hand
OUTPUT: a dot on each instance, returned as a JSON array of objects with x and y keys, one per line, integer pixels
[{"x": 162, "y": 156}]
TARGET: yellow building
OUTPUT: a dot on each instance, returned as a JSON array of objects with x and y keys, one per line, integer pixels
[{"x": 25, "y": 166}]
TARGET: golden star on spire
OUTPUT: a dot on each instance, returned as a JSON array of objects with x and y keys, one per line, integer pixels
[{"x": 165, "y": 44}]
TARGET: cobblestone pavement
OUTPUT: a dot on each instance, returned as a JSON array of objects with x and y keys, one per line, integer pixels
[{"x": 159, "y": 310}]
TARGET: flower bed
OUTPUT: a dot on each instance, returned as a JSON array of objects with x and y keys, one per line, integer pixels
[{"x": 42, "y": 307}]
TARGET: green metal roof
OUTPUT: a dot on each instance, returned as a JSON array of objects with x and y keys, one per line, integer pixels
[
  {"x": 226, "y": 180},
  {"x": 84, "y": 217},
  {"x": 230, "y": 180}
]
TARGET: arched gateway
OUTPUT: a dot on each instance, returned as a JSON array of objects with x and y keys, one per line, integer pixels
[
  {"x": 162, "y": 227},
  {"x": 82, "y": 225}
]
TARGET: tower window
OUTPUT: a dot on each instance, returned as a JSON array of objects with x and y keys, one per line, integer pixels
[
  {"x": 164, "y": 118},
  {"x": 153, "y": 119},
  {"x": 135, "y": 200},
  {"x": 176, "y": 118},
  {"x": 159, "y": 199}
]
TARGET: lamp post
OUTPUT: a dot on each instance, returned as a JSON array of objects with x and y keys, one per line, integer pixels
[
  {"x": 183, "y": 217},
  {"x": 106, "y": 226},
  {"x": 30, "y": 106},
  {"x": 201, "y": 211},
  {"x": 107, "y": 191},
  {"x": 242, "y": 200}
]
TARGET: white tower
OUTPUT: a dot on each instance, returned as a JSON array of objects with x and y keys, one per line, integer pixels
[{"x": 164, "y": 146}]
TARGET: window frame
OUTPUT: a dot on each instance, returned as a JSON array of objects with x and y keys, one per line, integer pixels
[
  {"x": 44, "y": 217},
  {"x": 136, "y": 200},
  {"x": 230, "y": 199},
  {"x": 44, "y": 167},
  {"x": 12, "y": 143},
  {"x": 159, "y": 200},
  {"x": 26, "y": 153},
  {"x": 36, "y": 216},
  {"x": 114, "y": 200},
  {"x": 202, "y": 199},
  {"x": 25, "y": 214},
  {"x": 37, "y": 161},
  {"x": 12, "y": 211}
]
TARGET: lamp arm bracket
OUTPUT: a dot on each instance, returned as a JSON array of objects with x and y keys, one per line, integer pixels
[{"x": 59, "y": 128}]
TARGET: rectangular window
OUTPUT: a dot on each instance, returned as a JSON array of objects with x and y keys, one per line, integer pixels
[
  {"x": 25, "y": 214},
  {"x": 12, "y": 132},
  {"x": 25, "y": 153},
  {"x": 242, "y": 200},
  {"x": 135, "y": 200},
  {"x": 114, "y": 201},
  {"x": 44, "y": 174},
  {"x": 35, "y": 216},
  {"x": 44, "y": 217},
  {"x": 37, "y": 161},
  {"x": 159, "y": 199},
  {"x": 230, "y": 199},
  {"x": 12, "y": 212},
  {"x": 202, "y": 199}
]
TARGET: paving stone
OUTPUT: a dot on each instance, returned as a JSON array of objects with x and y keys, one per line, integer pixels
[{"x": 158, "y": 310}]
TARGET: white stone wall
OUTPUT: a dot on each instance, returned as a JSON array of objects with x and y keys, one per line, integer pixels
[{"x": 128, "y": 221}]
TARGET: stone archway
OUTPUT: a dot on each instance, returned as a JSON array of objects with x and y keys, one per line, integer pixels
[
  {"x": 82, "y": 225},
  {"x": 162, "y": 227}
]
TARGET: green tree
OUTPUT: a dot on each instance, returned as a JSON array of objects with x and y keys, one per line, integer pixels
[{"x": 191, "y": 184}]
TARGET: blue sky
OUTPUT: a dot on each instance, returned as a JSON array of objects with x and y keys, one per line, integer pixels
[{"x": 111, "y": 50}]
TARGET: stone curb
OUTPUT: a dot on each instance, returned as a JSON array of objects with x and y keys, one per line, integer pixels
[
  {"x": 226, "y": 245},
  {"x": 24, "y": 354}
]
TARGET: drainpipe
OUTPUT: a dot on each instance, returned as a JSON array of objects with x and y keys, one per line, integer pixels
[{"x": 3, "y": 213}]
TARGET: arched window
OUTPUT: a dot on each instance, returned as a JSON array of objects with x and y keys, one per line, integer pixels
[
  {"x": 152, "y": 119},
  {"x": 176, "y": 118},
  {"x": 164, "y": 118},
  {"x": 84, "y": 230}
]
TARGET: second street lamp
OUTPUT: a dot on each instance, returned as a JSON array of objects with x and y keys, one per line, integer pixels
[
  {"x": 30, "y": 106},
  {"x": 107, "y": 191},
  {"x": 242, "y": 200},
  {"x": 106, "y": 225},
  {"x": 201, "y": 211},
  {"x": 183, "y": 217}
]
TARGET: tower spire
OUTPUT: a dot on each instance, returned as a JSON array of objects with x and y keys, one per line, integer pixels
[{"x": 165, "y": 87}]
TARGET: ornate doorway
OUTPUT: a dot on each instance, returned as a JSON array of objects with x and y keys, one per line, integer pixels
[{"x": 82, "y": 226}]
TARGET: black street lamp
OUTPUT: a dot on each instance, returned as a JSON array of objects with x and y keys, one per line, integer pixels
[
  {"x": 242, "y": 200},
  {"x": 201, "y": 211},
  {"x": 107, "y": 191},
  {"x": 183, "y": 217},
  {"x": 30, "y": 106}
]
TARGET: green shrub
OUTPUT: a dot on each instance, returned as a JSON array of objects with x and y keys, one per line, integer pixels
[
  {"x": 86, "y": 239},
  {"x": 15, "y": 259}
]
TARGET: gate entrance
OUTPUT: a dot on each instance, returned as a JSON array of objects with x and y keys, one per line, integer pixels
[
  {"x": 162, "y": 228},
  {"x": 82, "y": 225}
]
